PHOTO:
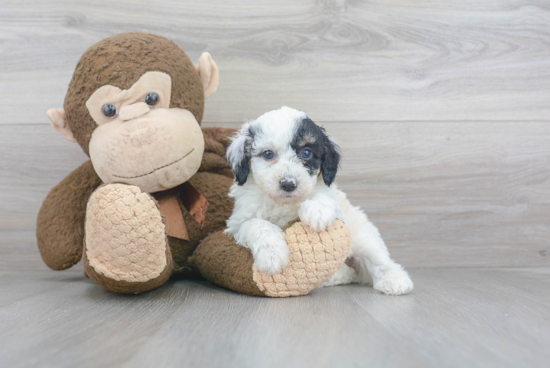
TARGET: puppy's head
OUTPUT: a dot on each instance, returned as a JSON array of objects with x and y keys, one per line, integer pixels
[{"x": 285, "y": 152}]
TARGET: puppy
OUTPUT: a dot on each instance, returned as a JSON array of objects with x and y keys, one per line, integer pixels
[{"x": 284, "y": 166}]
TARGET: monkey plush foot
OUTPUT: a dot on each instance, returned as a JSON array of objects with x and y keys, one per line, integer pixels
[
  {"x": 314, "y": 258},
  {"x": 126, "y": 248}
]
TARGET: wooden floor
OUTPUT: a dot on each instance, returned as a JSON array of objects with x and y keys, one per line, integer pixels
[{"x": 454, "y": 318}]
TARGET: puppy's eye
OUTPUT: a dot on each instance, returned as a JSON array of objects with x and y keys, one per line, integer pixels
[
  {"x": 151, "y": 99},
  {"x": 268, "y": 155},
  {"x": 306, "y": 154},
  {"x": 109, "y": 110}
]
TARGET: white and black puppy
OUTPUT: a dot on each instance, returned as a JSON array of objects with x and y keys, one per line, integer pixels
[{"x": 285, "y": 166}]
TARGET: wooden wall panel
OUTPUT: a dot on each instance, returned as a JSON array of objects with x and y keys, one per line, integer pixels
[{"x": 382, "y": 60}]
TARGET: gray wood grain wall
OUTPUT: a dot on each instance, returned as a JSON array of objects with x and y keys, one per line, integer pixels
[{"x": 442, "y": 108}]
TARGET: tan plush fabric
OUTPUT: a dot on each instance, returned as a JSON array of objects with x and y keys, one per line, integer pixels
[
  {"x": 314, "y": 258},
  {"x": 58, "y": 121},
  {"x": 126, "y": 100},
  {"x": 126, "y": 287},
  {"x": 208, "y": 71},
  {"x": 125, "y": 234},
  {"x": 156, "y": 152}
]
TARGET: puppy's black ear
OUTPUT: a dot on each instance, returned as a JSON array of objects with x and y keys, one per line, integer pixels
[
  {"x": 241, "y": 171},
  {"x": 238, "y": 154},
  {"x": 331, "y": 160}
]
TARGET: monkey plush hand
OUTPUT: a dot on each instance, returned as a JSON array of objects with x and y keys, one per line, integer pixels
[{"x": 152, "y": 200}]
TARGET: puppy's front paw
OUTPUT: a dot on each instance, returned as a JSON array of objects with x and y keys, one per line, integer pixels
[
  {"x": 316, "y": 215},
  {"x": 272, "y": 254},
  {"x": 394, "y": 282}
]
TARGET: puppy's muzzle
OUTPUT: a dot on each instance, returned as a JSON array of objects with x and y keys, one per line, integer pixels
[{"x": 288, "y": 184}]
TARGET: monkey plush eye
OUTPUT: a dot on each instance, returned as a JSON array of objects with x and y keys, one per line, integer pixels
[
  {"x": 268, "y": 155},
  {"x": 109, "y": 111},
  {"x": 306, "y": 154},
  {"x": 151, "y": 99}
]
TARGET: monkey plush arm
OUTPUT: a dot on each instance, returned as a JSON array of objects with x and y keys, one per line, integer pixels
[
  {"x": 60, "y": 224},
  {"x": 216, "y": 141}
]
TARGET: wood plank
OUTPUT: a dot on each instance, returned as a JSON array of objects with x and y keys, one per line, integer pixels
[
  {"x": 19, "y": 251},
  {"x": 454, "y": 318},
  {"x": 338, "y": 60},
  {"x": 442, "y": 194}
]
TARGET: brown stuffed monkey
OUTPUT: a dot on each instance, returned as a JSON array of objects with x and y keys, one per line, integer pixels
[{"x": 152, "y": 200}]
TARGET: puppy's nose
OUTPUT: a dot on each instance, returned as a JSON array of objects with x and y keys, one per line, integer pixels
[{"x": 288, "y": 184}]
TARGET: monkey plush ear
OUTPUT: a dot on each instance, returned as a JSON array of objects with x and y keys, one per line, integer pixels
[
  {"x": 208, "y": 71},
  {"x": 59, "y": 123}
]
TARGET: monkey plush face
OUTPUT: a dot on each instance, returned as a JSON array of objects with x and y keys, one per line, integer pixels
[
  {"x": 139, "y": 139},
  {"x": 134, "y": 105}
]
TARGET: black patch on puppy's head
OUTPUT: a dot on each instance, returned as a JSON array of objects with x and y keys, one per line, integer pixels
[{"x": 326, "y": 153}]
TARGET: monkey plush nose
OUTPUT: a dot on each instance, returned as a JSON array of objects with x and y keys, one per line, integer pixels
[
  {"x": 133, "y": 111},
  {"x": 288, "y": 184}
]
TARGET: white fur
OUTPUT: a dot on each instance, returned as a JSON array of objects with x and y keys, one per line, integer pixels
[{"x": 262, "y": 208}]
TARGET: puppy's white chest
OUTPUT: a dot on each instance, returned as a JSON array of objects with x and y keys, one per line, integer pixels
[{"x": 279, "y": 215}]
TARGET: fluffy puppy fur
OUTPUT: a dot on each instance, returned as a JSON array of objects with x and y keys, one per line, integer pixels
[{"x": 285, "y": 166}]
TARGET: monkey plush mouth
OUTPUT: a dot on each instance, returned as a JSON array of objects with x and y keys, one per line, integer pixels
[{"x": 158, "y": 168}]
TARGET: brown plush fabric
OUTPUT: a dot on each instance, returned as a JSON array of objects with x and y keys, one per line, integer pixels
[
  {"x": 215, "y": 164},
  {"x": 225, "y": 263},
  {"x": 216, "y": 141},
  {"x": 182, "y": 250},
  {"x": 60, "y": 223},
  {"x": 120, "y": 61},
  {"x": 125, "y": 287}
]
